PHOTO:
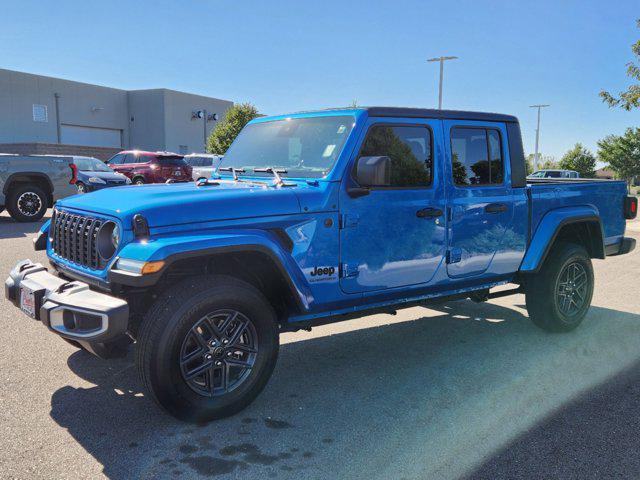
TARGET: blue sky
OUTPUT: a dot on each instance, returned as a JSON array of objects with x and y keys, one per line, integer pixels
[{"x": 286, "y": 55}]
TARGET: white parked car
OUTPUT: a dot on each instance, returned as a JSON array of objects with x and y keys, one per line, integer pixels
[
  {"x": 552, "y": 173},
  {"x": 204, "y": 164}
]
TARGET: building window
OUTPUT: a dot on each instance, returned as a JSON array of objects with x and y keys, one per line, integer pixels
[
  {"x": 183, "y": 149},
  {"x": 40, "y": 113}
]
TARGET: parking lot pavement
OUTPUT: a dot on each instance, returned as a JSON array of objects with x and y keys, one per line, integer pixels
[{"x": 458, "y": 390}]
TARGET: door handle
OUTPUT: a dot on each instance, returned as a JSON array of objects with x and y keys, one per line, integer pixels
[
  {"x": 429, "y": 212},
  {"x": 495, "y": 208}
]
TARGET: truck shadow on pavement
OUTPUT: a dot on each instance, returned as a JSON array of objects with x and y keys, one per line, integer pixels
[
  {"x": 9, "y": 228},
  {"x": 426, "y": 398}
]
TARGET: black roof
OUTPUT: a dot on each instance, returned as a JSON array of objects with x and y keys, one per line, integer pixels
[{"x": 441, "y": 114}]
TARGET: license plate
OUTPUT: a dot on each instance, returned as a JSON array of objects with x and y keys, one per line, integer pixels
[
  {"x": 28, "y": 302},
  {"x": 177, "y": 173}
]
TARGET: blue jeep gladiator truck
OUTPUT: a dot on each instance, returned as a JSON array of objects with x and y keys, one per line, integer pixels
[{"x": 313, "y": 218}]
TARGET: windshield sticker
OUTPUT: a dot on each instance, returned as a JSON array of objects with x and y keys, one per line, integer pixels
[{"x": 328, "y": 151}]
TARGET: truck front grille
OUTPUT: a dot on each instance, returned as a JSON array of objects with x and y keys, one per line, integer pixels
[{"x": 74, "y": 238}]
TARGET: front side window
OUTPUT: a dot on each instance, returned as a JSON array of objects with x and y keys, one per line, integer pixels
[
  {"x": 408, "y": 147},
  {"x": 304, "y": 147},
  {"x": 130, "y": 158},
  {"x": 476, "y": 156}
]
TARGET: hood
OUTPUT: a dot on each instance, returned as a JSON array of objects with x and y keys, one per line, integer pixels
[
  {"x": 102, "y": 175},
  {"x": 182, "y": 203}
]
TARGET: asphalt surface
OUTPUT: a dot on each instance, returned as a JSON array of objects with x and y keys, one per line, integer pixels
[{"x": 458, "y": 391}]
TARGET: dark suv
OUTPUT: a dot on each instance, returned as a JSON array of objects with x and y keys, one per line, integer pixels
[{"x": 151, "y": 167}]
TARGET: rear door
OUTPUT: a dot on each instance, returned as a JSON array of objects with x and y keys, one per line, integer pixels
[
  {"x": 395, "y": 236},
  {"x": 481, "y": 202}
]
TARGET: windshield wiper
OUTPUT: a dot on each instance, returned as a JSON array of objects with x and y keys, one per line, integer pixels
[
  {"x": 233, "y": 170},
  {"x": 277, "y": 179}
]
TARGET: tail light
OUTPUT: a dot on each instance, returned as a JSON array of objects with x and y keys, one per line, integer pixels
[
  {"x": 630, "y": 207},
  {"x": 74, "y": 173}
]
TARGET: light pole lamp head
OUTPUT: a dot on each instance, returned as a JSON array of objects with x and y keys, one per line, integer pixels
[{"x": 441, "y": 59}]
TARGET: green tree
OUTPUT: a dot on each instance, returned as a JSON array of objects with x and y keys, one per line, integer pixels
[
  {"x": 228, "y": 129},
  {"x": 622, "y": 153},
  {"x": 581, "y": 160},
  {"x": 630, "y": 98},
  {"x": 545, "y": 162}
]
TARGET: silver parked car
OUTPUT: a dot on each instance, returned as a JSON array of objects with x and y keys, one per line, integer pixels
[
  {"x": 204, "y": 164},
  {"x": 29, "y": 184},
  {"x": 554, "y": 173}
]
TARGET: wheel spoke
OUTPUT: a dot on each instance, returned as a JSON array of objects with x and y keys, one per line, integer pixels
[
  {"x": 199, "y": 370},
  {"x": 238, "y": 363},
  {"x": 195, "y": 354},
  {"x": 244, "y": 348},
  {"x": 238, "y": 332},
  {"x": 197, "y": 336}
]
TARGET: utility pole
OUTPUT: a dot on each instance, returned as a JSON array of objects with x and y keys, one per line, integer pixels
[
  {"x": 211, "y": 117},
  {"x": 536, "y": 154},
  {"x": 441, "y": 60}
]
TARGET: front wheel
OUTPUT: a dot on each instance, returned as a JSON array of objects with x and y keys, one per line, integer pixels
[
  {"x": 559, "y": 295},
  {"x": 81, "y": 187},
  {"x": 207, "y": 347}
]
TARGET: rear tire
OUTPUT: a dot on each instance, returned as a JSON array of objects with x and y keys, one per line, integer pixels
[
  {"x": 559, "y": 295},
  {"x": 207, "y": 347},
  {"x": 27, "y": 203},
  {"x": 81, "y": 187}
]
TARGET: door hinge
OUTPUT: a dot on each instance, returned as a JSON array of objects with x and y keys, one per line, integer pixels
[
  {"x": 348, "y": 220},
  {"x": 349, "y": 271},
  {"x": 454, "y": 255}
]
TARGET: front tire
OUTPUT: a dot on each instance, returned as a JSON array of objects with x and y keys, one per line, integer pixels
[
  {"x": 27, "y": 203},
  {"x": 559, "y": 295},
  {"x": 207, "y": 347},
  {"x": 81, "y": 187}
]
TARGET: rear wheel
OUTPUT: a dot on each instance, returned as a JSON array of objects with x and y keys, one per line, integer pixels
[
  {"x": 81, "y": 187},
  {"x": 208, "y": 347},
  {"x": 27, "y": 203},
  {"x": 559, "y": 295}
]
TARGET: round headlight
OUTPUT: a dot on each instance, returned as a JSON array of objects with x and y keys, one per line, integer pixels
[
  {"x": 108, "y": 239},
  {"x": 115, "y": 237}
]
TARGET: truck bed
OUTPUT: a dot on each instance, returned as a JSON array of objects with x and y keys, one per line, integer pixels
[{"x": 605, "y": 196}]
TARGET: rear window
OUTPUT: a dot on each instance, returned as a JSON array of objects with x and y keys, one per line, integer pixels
[
  {"x": 173, "y": 161},
  {"x": 476, "y": 156}
]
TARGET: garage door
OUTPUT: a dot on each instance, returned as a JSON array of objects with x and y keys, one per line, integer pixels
[{"x": 92, "y": 137}]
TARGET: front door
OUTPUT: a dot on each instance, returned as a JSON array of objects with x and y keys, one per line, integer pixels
[
  {"x": 481, "y": 203},
  {"x": 395, "y": 235}
]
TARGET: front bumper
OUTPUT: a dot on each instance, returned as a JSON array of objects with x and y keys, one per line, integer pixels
[{"x": 69, "y": 308}]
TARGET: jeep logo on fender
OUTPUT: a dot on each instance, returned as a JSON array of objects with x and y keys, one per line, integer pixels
[{"x": 319, "y": 271}]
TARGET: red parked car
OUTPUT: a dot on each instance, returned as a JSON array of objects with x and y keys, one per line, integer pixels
[{"x": 151, "y": 167}]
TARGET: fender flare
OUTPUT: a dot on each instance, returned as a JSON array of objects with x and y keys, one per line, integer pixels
[
  {"x": 41, "y": 175},
  {"x": 179, "y": 247},
  {"x": 549, "y": 228}
]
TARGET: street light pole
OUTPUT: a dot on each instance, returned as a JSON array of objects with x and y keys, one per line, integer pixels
[
  {"x": 536, "y": 154},
  {"x": 441, "y": 60}
]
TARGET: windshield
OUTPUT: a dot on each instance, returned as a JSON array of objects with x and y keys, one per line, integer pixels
[
  {"x": 91, "y": 165},
  {"x": 304, "y": 147}
]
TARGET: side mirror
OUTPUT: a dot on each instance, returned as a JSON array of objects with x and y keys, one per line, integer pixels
[{"x": 373, "y": 171}]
